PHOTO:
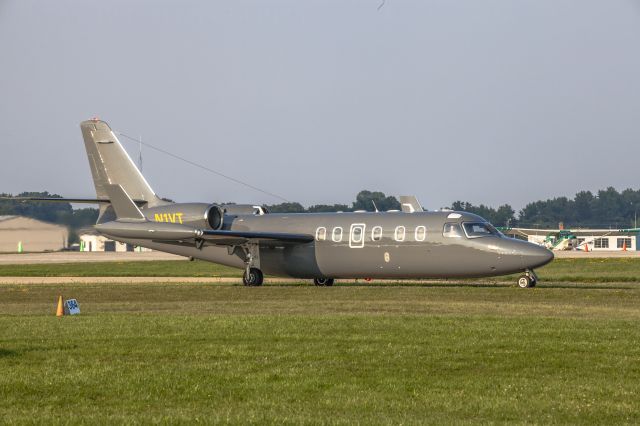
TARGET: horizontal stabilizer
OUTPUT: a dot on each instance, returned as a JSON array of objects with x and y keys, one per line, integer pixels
[{"x": 69, "y": 200}]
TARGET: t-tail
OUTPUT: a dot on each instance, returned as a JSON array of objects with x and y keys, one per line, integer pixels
[{"x": 115, "y": 176}]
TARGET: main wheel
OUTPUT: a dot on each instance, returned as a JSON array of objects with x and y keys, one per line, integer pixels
[
  {"x": 323, "y": 281},
  {"x": 253, "y": 278},
  {"x": 525, "y": 281}
]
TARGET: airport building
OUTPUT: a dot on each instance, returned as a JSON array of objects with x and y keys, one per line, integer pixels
[
  {"x": 582, "y": 239},
  {"x": 19, "y": 233},
  {"x": 90, "y": 240}
]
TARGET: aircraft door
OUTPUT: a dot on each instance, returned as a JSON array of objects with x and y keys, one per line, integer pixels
[{"x": 356, "y": 235}]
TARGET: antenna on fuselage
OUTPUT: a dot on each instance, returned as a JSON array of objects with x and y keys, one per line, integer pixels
[{"x": 374, "y": 206}]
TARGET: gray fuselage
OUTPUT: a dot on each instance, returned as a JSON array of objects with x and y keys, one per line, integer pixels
[{"x": 359, "y": 245}]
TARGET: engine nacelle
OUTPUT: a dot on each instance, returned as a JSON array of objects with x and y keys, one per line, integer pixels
[
  {"x": 197, "y": 215},
  {"x": 214, "y": 217}
]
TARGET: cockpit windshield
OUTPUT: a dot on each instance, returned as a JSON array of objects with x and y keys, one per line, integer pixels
[
  {"x": 452, "y": 230},
  {"x": 480, "y": 229}
]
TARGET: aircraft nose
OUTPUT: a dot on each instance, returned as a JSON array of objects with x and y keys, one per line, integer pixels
[{"x": 535, "y": 256}]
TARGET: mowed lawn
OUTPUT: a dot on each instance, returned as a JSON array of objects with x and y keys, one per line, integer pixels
[
  {"x": 589, "y": 270},
  {"x": 184, "y": 353}
]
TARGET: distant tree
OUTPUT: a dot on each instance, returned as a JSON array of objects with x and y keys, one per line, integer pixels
[
  {"x": 503, "y": 216},
  {"x": 48, "y": 211},
  {"x": 81, "y": 218},
  {"x": 583, "y": 205},
  {"x": 548, "y": 213},
  {"x": 286, "y": 208},
  {"x": 608, "y": 208},
  {"x": 322, "y": 208},
  {"x": 365, "y": 201}
]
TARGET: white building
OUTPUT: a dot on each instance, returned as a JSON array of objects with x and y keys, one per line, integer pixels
[
  {"x": 585, "y": 239},
  {"x": 90, "y": 240},
  {"x": 601, "y": 239}
]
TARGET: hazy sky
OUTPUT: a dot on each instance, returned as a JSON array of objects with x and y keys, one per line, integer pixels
[{"x": 485, "y": 101}]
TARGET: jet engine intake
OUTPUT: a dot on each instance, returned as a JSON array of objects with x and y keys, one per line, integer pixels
[{"x": 214, "y": 215}]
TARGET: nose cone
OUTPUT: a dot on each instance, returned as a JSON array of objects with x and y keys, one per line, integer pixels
[{"x": 535, "y": 256}]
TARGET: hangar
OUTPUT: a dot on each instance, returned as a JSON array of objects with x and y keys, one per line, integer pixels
[{"x": 19, "y": 233}]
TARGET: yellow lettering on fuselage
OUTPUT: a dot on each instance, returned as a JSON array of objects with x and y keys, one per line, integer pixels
[{"x": 168, "y": 217}]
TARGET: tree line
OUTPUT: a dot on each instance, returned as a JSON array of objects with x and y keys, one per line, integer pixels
[
  {"x": 54, "y": 212},
  {"x": 607, "y": 208}
]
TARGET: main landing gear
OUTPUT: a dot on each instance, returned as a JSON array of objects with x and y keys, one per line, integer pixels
[
  {"x": 252, "y": 277},
  {"x": 252, "y": 274},
  {"x": 528, "y": 280},
  {"x": 323, "y": 281}
]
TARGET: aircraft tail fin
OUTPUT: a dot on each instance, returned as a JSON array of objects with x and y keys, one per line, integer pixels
[
  {"x": 111, "y": 165},
  {"x": 410, "y": 204}
]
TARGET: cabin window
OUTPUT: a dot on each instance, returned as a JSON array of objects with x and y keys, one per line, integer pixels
[
  {"x": 400, "y": 233},
  {"x": 336, "y": 235},
  {"x": 479, "y": 229},
  {"x": 376, "y": 233},
  {"x": 356, "y": 234},
  {"x": 321, "y": 233},
  {"x": 421, "y": 233},
  {"x": 452, "y": 230}
]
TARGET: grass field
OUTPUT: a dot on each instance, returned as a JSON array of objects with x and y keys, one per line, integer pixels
[
  {"x": 423, "y": 353},
  {"x": 595, "y": 270}
]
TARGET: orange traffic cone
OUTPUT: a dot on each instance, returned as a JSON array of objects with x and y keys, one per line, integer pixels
[
  {"x": 624, "y": 245},
  {"x": 586, "y": 247},
  {"x": 60, "y": 311}
]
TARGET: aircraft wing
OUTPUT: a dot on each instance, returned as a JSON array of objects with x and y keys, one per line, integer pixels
[
  {"x": 168, "y": 232},
  {"x": 233, "y": 238}
]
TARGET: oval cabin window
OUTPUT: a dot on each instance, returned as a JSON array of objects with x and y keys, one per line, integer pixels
[
  {"x": 356, "y": 234},
  {"x": 399, "y": 234},
  {"x": 321, "y": 234},
  {"x": 336, "y": 235},
  {"x": 421, "y": 233},
  {"x": 376, "y": 233}
]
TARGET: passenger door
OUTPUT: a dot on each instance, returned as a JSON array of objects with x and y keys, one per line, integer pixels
[{"x": 356, "y": 235}]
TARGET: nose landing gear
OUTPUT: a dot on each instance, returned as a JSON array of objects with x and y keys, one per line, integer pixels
[
  {"x": 323, "y": 281},
  {"x": 528, "y": 280}
]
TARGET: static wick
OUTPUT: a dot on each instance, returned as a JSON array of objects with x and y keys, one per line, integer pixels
[{"x": 381, "y": 4}]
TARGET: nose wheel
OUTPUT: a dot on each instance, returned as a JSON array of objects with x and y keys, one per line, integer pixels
[
  {"x": 528, "y": 280},
  {"x": 323, "y": 281}
]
